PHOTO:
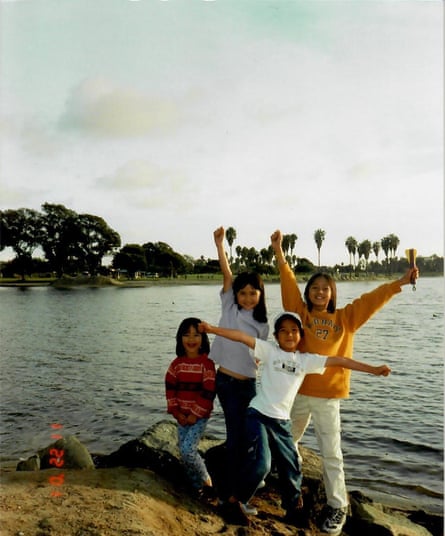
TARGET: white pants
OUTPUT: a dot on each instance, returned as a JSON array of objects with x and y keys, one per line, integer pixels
[{"x": 325, "y": 413}]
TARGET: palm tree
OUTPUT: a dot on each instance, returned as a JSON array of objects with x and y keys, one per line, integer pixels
[
  {"x": 292, "y": 241},
  {"x": 376, "y": 250},
  {"x": 364, "y": 249},
  {"x": 319, "y": 237},
  {"x": 393, "y": 244},
  {"x": 386, "y": 246},
  {"x": 286, "y": 245},
  {"x": 230, "y": 237},
  {"x": 351, "y": 244}
]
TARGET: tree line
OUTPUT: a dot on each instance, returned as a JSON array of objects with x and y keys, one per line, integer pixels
[{"x": 77, "y": 243}]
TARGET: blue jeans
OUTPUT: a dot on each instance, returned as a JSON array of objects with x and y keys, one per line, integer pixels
[
  {"x": 269, "y": 438},
  {"x": 234, "y": 396}
]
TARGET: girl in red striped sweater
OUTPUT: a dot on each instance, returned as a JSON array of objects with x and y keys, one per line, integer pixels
[{"x": 190, "y": 391}]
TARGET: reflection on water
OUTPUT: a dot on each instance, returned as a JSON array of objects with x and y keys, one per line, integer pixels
[{"x": 94, "y": 360}]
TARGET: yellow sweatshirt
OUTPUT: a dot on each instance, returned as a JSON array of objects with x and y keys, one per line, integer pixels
[{"x": 331, "y": 334}]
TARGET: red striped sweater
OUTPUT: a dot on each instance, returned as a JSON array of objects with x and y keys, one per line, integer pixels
[{"x": 190, "y": 386}]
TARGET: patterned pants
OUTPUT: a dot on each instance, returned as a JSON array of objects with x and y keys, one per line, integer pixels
[{"x": 188, "y": 441}]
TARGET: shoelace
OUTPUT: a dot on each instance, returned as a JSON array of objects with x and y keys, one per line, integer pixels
[{"x": 336, "y": 516}]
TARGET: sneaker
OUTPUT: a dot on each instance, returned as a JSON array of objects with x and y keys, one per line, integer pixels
[
  {"x": 248, "y": 509},
  {"x": 334, "y": 521},
  {"x": 292, "y": 517},
  {"x": 206, "y": 493},
  {"x": 262, "y": 484},
  {"x": 233, "y": 514}
]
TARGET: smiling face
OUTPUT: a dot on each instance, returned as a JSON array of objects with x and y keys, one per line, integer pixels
[
  {"x": 191, "y": 341},
  {"x": 320, "y": 293},
  {"x": 288, "y": 335},
  {"x": 248, "y": 297}
]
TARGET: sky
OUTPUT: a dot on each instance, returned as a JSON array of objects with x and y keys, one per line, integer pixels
[{"x": 170, "y": 118}]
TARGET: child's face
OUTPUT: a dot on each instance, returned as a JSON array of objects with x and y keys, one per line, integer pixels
[
  {"x": 248, "y": 297},
  {"x": 320, "y": 293},
  {"x": 192, "y": 342},
  {"x": 288, "y": 335}
]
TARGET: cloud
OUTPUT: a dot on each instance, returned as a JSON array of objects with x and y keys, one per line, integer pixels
[
  {"x": 100, "y": 108},
  {"x": 146, "y": 185}
]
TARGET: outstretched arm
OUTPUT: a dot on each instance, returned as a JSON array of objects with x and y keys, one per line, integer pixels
[
  {"x": 218, "y": 236},
  {"x": 232, "y": 334},
  {"x": 381, "y": 370}
]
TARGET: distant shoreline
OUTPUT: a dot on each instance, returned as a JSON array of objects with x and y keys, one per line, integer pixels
[{"x": 209, "y": 279}]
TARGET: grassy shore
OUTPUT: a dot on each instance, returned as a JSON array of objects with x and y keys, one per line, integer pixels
[{"x": 190, "y": 279}]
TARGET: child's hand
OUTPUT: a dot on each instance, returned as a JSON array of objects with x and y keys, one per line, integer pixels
[
  {"x": 182, "y": 419},
  {"x": 191, "y": 419},
  {"x": 411, "y": 275},
  {"x": 276, "y": 239},
  {"x": 218, "y": 235},
  {"x": 203, "y": 327},
  {"x": 382, "y": 370}
]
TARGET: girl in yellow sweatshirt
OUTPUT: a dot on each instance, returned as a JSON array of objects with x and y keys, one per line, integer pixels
[{"x": 328, "y": 331}]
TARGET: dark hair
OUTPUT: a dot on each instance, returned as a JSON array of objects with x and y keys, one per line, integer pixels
[
  {"x": 183, "y": 329},
  {"x": 331, "y": 282},
  {"x": 287, "y": 316},
  {"x": 251, "y": 278}
]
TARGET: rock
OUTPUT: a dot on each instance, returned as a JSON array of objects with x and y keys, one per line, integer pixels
[
  {"x": 66, "y": 453},
  {"x": 373, "y": 519},
  {"x": 156, "y": 449},
  {"x": 31, "y": 464}
]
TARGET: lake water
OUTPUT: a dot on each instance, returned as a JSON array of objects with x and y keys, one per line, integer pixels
[{"x": 93, "y": 360}]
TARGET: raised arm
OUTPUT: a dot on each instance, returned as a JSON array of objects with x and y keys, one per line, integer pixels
[
  {"x": 381, "y": 370},
  {"x": 276, "y": 240},
  {"x": 218, "y": 236},
  {"x": 232, "y": 334},
  {"x": 411, "y": 275},
  {"x": 290, "y": 294}
]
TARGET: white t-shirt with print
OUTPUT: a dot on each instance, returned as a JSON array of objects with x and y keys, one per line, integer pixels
[{"x": 281, "y": 377}]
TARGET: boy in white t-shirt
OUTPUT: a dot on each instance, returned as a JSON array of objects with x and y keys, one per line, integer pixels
[{"x": 268, "y": 424}]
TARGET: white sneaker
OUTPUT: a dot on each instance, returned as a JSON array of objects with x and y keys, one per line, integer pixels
[
  {"x": 248, "y": 509},
  {"x": 334, "y": 521}
]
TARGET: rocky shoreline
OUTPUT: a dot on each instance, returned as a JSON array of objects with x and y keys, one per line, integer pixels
[{"x": 154, "y": 457}]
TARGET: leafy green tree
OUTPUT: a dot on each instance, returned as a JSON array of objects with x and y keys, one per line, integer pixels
[
  {"x": 304, "y": 266},
  {"x": 60, "y": 237},
  {"x": 21, "y": 230},
  {"x": 230, "y": 237},
  {"x": 131, "y": 258},
  {"x": 433, "y": 264},
  {"x": 206, "y": 266},
  {"x": 74, "y": 242},
  {"x": 351, "y": 245},
  {"x": 319, "y": 236},
  {"x": 162, "y": 259},
  {"x": 95, "y": 240}
]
